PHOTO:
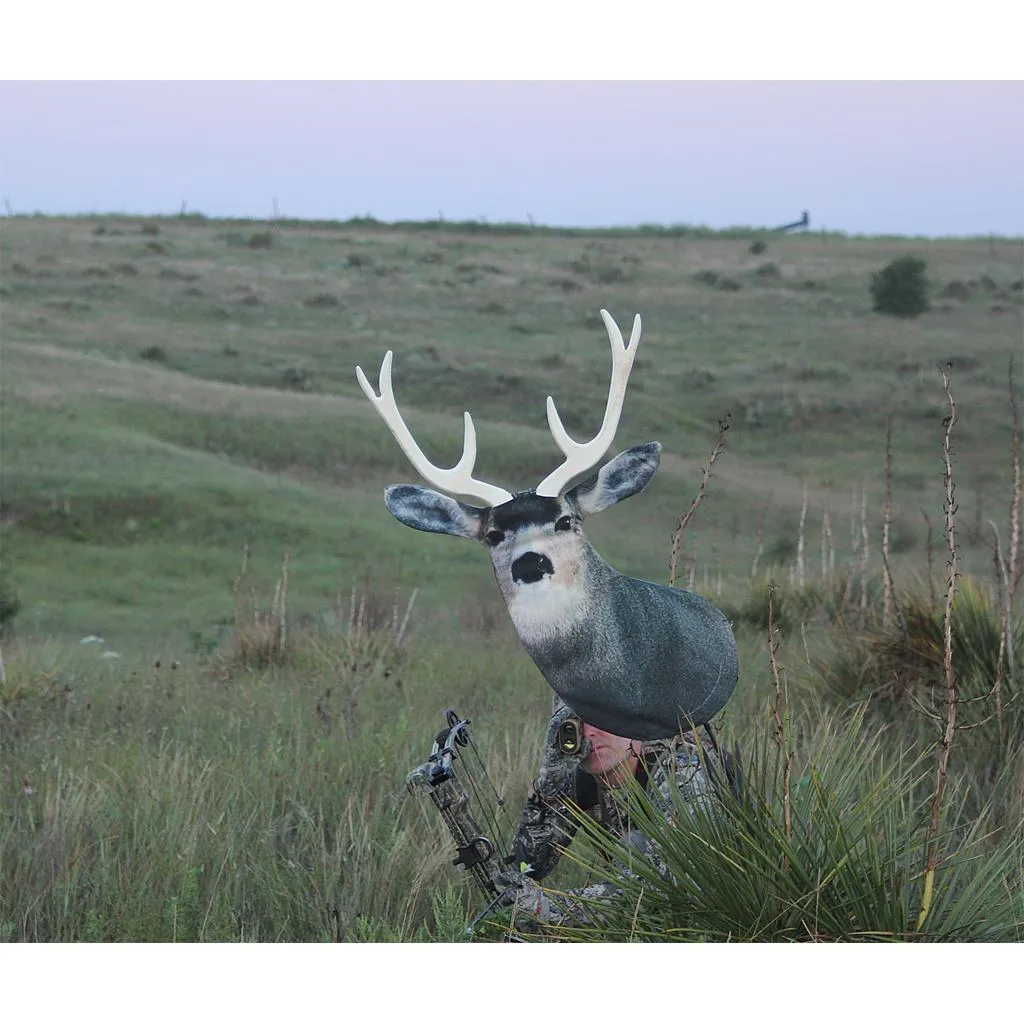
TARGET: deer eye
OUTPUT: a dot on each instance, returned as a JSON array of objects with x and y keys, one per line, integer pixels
[
  {"x": 494, "y": 538},
  {"x": 564, "y": 523}
]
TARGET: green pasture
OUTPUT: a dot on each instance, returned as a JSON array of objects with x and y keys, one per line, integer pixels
[{"x": 175, "y": 391}]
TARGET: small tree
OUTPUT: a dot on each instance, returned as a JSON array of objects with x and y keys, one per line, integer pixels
[{"x": 901, "y": 287}]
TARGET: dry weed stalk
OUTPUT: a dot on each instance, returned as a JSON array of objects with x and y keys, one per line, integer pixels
[
  {"x": 800, "y": 571},
  {"x": 705, "y": 475},
  {"x": 1003, "y": 581},
  {"x": 828, "y": 553},
  {"x": 855, "y": 545},
  {"x": 1013, "y": 570},
  {"x": 760, "y": 537},
  {"x": 779, "y": 732},
  {"x": 757, "y": 554},
  {"x": 283, "y": 600},
  {"x": 887, "y": 582},
  {"x": 1008, "y": 567},
  {"x": 854, "y": 534},
  {"x": 946, "y": 743},
  {"x": 864, "y": 551},
  {"x": 237, "y": 588}
]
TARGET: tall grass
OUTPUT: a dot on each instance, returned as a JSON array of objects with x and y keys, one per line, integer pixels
[{"x": 148, "y": 802}]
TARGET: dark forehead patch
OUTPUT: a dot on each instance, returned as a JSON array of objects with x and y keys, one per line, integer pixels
[{"x": 525, "y": 509}]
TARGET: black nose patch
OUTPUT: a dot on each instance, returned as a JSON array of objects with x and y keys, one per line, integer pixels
[{"x": 531, "y": 567}]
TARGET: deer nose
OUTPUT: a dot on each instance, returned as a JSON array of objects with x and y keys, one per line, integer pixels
[{"x": 531, "y": 568}]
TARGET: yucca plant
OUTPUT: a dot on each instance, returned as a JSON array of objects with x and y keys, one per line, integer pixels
[
  {"x": 901, "y": 663},
  {"x": 848, "y": 867}
]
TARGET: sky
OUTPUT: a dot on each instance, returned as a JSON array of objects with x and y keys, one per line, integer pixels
[{"x": 930, "y": 158}]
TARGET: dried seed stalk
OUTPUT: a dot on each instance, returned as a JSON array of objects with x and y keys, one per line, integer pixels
[
  {"x": 779, "y": 731},
  {"x": 864, "y": 551},
  {"x": 800, "y": 573},
  {"x": 705, "y": 475},
  {"x": 1013, "y": 570},
  {"x": 828, "y": 554},
  {"x": 946, "y": 743},
  {"x": 887, "y": 584},
  {"x": 1003, "y": 581}
]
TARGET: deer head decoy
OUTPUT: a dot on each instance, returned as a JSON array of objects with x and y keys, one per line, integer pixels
[{"x": 634, "y": 658}]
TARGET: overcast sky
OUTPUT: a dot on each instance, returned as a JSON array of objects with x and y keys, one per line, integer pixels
[{"x": 903, "y": 157}]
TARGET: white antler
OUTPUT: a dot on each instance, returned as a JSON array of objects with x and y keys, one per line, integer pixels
[
  {"x": 457, "y": 480},
  {"x": 581, "y": 457}
]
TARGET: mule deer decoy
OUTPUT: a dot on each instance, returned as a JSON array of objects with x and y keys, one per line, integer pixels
[{"x": 634, "y": 658}]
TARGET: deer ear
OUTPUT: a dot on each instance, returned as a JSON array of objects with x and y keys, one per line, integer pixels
[
  {"x": 629, "y": 472},
  {"x": 424, "y": 509}
]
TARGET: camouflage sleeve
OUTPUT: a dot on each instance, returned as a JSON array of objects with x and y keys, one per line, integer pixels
[{"x": 546, "y": 826}]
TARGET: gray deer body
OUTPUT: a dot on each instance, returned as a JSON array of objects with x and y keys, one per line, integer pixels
[
  {"x": 654, "y": 656},
  {"x": 634, "y": 658}
]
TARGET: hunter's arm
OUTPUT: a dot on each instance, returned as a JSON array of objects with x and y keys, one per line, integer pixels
[{"x": 547, "y": 824}]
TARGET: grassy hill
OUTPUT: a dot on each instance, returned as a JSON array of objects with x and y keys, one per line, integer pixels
[
  {"x": 177, "y": 391},
  {"x": 175, "y": 388}
]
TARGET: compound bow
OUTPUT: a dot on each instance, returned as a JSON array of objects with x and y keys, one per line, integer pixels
[
  {"x": 485, "y": 858},
  {"x": 481, "y": 855}
]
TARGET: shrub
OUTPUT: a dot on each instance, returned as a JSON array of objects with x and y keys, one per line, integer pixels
[
  {"x": 901, "y": 288},
  {"x": 757, "y": 247}
]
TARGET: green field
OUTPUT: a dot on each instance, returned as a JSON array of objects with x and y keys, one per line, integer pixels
[{"x": 174, "y": 390}]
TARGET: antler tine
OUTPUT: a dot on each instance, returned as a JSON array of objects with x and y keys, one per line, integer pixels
[
  {"x": 457, "y": 480},
  {"x": 581, "y": 457}
]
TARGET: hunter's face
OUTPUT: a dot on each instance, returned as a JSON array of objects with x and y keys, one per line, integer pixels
[{"x": 607, "y": 751}]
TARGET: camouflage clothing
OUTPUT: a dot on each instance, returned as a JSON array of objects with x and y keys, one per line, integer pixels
[{"x": 562, "y": 789}]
